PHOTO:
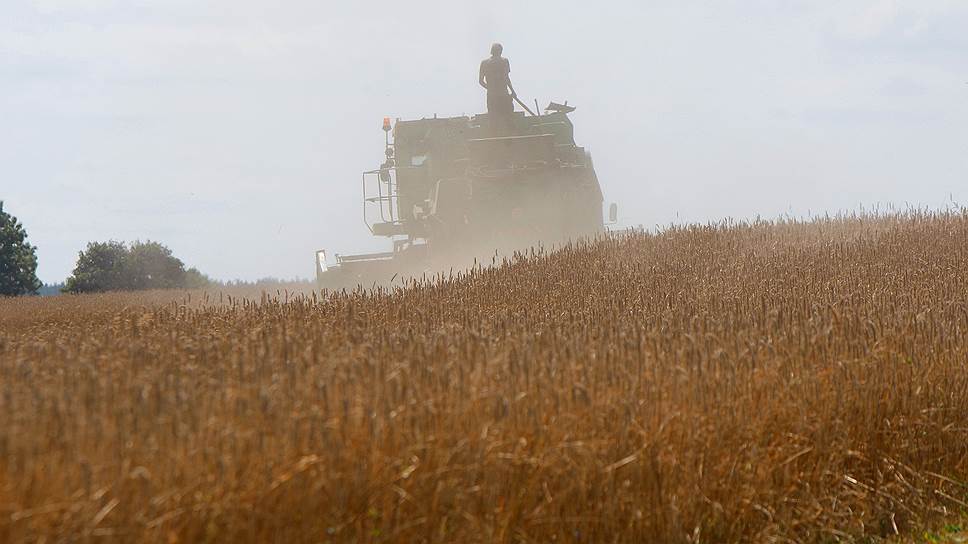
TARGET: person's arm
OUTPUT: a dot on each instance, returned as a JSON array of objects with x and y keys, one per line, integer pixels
[
  {"x": 510, "y": 86},
  {"x": 480, "y": 77}
]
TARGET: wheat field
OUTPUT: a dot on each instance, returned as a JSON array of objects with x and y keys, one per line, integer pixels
[{"x": 783, "y": 381}]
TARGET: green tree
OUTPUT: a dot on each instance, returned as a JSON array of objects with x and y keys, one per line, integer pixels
[
  {"x": 196, "y": 280},
  {"x": 18, "y": 259},
  {"x": 151, "y": 265},
  {"x": 114, "y": 266},
  {"x": 101, "y": 267}
]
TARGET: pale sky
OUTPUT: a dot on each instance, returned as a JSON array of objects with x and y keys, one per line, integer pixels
[{"x": 235, "y": 131}]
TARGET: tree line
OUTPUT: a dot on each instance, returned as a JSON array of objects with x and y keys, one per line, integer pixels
[
  {"x": 102, "y": 266},
  {"x": 116, "y": 266}
]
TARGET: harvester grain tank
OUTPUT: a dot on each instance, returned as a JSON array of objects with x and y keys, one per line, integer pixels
[{"x": 452, "y": 190}]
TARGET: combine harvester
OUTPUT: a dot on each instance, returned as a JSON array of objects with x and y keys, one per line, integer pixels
[{"x": 457, "y": 190}]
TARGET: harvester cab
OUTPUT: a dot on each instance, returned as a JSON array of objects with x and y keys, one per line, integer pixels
[{"x": 452, "y": 190}]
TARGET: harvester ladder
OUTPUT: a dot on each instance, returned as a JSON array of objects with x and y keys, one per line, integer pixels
[{"x": 386, "y": 197}]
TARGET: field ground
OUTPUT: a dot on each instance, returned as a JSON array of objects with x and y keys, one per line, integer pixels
[{"x": 773, "y": 382}]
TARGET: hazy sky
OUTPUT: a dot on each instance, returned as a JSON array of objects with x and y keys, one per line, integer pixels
[{"x": 235, "y": 131}]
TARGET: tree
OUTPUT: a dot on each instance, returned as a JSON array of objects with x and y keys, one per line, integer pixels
[
  {"x": 196, "y": 280},
  {"x": 151, "y": 265},
  {"x": 101, "y": 267},
  {"x": 113, "y": 266},
  {"x": 51, "y": 289},
  {"x": 18, "y": 259}
]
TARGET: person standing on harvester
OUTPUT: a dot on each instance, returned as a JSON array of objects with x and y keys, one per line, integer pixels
[{"x": 495, "y": 76}]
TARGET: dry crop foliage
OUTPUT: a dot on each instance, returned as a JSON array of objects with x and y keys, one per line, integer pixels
[{"x": 772, "y": 381}]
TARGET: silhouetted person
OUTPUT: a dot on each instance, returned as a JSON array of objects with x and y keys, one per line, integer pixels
[{"x": 495, "y": 76}]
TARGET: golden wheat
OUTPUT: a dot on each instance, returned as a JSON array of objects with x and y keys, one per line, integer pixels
[{"x": 774, "y": 381}]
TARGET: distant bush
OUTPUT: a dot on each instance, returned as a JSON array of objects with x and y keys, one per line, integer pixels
[
  {"x": 115, "y": 266},
  {"x": 196, "y": 280}
]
